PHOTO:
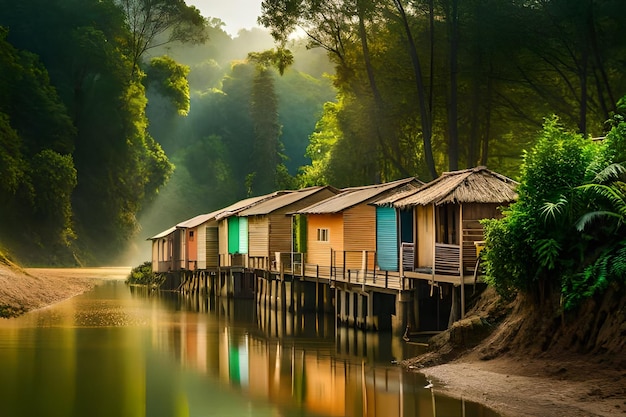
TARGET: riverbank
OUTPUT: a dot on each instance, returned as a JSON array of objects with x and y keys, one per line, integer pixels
[
  {"x": 23, "y": 290},
  {"x": 490, "y": 358},
  {"x": 520, "y": 387}
]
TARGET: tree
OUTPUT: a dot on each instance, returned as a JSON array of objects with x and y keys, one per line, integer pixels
[
  {"x": 153, "y": 23},
  {"x": 54, "y": 178},
  {"x": 424, "y": 106},
  {"x": 169, "y": 78},
  {"x": 267, "y": 149},
  {"x": 82, "y": 68}
]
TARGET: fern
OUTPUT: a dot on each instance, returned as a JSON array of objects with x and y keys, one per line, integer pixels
[
  {"x": 618, "y": 262},
  {"x": 609, "y": 267},
  {"x": 548, "y": 252}
]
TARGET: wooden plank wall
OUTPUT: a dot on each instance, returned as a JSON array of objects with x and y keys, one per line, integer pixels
[
  {"x": 280, "y": 233},
  {"x": 359, "y": 233},
  {"x": 258, "y": 232},
  {"x": 223, "y": 241},
  {"x": 424, "y": 235},
  {"x": 192, "y": 248},
  {"x": 201, "y": 246},
  {"x": 473, "y": 230},
  {"x": 212, "y": 247},
  {"x": 319, "y": 252}
]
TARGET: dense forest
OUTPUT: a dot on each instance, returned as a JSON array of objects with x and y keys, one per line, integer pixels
[{"x": 121, "y": 117}]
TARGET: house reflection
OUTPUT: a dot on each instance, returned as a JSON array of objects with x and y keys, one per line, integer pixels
[{"x": 334, "y": 375}]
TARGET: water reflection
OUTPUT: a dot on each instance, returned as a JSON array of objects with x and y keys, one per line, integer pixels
[{"x": 121, "y": 352}]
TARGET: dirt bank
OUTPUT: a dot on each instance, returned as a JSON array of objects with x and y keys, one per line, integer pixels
[
  {"x": 483, "y": 359},
  {"x": 22, "y": 290},
  {"x": 517, "y": 386}
]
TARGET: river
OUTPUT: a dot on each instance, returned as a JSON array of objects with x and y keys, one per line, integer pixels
[{"x": 120, "y": 351}]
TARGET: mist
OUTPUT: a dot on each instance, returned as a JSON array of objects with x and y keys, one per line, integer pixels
[{"x": 210, "y": 147}]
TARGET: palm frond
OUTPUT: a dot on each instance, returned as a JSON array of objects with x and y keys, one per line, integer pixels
[
  {"x": 589, "y": 218},
  {"x": 552, "y": 210},
  {"x": 611, "y": 173}
]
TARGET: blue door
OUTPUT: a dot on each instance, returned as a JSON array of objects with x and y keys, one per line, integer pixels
[{"x": 386, "y": 239}]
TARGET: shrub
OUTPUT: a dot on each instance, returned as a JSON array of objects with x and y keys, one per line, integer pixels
[{"x": 143, "y": 275}]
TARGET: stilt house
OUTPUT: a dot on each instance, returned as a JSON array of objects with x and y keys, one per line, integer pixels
[
  {"x": 233, "y": 231},
  {"x": 447, "y": 213},
  {"x": 341, "y": 230},
  {"x": 200, "y": 244},
  {"x": 271, "y": 225},
  {"x": 165, "y": 253}
]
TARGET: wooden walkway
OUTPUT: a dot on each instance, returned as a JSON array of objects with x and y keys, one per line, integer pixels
[{"x": 374, "y": 278}]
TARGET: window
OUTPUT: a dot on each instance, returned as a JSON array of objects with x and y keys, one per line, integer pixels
[
  {"x": 191, "y": 235},
  {"x": 322, "y": 235}
]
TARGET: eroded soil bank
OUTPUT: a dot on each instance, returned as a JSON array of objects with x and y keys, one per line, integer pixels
[{"x": 511, "y": 359}]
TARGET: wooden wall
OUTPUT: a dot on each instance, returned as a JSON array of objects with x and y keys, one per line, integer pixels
[
  {"x": 424, "y": 235},
  {"x": 472, "y": 229},
  {"x": 318, "y": 253},
  {"x": 280, "y": 233},
  {"x": 258, "y": 235},
  {"x": 207, "y": 245},
  {"x": 192, "y": 248},
  {"x": 223, "y": 240},
  {"x": 212, "y": 246},
  {"x": 359, "y": 235}
]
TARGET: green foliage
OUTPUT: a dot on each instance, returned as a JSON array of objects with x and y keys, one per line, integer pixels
[
  {"x": 507, "y": 255},
  {"x": 54, "y": 178},
  {"x": 11, "y": 163},
  {"x": 266, "y": 149},
  {"x": 565, "y": 233},
  {"x": 143, "y": 275},
  {"x": 86, "y": 164},
  {"x": 480, "y": 75},
  {"x": 170, "y": 80},
  {"x": 610, "y": 266},
  {"x": 154, "y": 23},
  {"x": 536, "y": 243},
  {"x": 320, "y": 148}
]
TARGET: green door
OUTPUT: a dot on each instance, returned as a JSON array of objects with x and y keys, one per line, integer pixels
[{"x": 233, "y": 234}]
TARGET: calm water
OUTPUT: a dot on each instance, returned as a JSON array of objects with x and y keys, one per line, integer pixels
[{"x": 120, "y": 351}]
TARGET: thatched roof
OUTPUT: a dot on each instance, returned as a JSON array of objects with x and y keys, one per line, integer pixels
[
  {"x": 474, "y": 185},
  {"x": 390, "y": 198},
  {"x": 350, "y": 197}
]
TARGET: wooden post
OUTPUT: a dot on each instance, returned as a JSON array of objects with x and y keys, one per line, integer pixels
[
  {"x": 434, "y": 240},
  {"x": 461, "y": 261},
  {"x": 364, "y": 268}
]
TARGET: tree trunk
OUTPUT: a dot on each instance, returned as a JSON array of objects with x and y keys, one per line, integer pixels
[
  {"x": 378, "y": 100},
  {"x": 425, "y": 111},
  {"x": 453, "y": 130}
]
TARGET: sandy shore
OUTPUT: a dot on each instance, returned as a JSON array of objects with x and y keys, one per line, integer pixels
[
  {"x": 546, "y": 387},
  {"x": 22, "y": 290}
]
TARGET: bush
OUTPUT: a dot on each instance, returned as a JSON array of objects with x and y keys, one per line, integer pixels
[
  {"x": 537, "y": 243},
  {"x": 143, "y": 275}
]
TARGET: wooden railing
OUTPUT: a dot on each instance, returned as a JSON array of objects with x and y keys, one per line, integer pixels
[{"x": 447, "y": 259}]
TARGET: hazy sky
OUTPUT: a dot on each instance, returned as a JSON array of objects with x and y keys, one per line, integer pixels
[{"x": 237, "y": 14}]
